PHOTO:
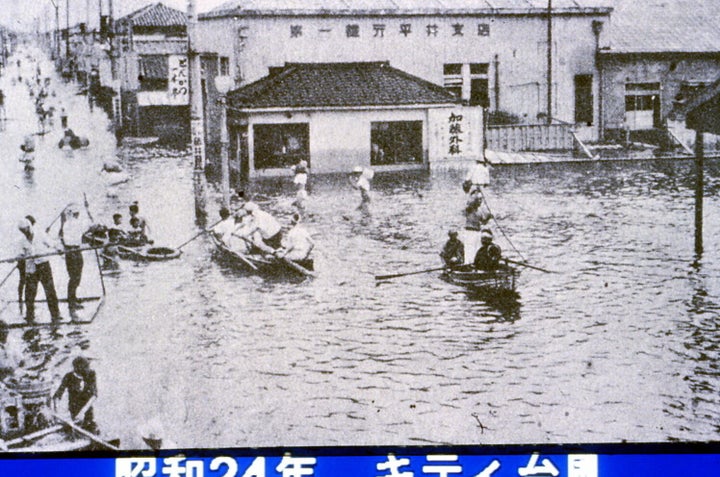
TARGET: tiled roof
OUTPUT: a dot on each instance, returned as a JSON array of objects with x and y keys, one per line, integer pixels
[
  {"x": 664, "y": 26},
  {"x": 398, "y": 7},
  {"x": 155, "y": 15},
  {"x": 310, "y": 85}
]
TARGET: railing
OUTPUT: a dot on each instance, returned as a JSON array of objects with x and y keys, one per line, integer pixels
[{"x": 530, "y": 137}]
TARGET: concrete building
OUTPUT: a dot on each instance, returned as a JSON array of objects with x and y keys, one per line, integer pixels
[
  {"x": 153, "y": 73},
  {"x": 488, "y": 53},
  {"x": 661, "y": 53},
  {"x": 339, "y": 115}
]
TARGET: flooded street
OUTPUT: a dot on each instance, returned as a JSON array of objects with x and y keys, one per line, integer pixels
[{"x": 621, "y": 343}]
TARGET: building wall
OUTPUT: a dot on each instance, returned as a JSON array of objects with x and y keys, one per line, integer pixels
[
  {"x": 669, "y": 71},
  {"x": 338, "y": 140},
  {"x": 514, "y": 48}
]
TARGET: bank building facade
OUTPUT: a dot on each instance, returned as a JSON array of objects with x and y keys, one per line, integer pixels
[{"x": 491, "y": 57}]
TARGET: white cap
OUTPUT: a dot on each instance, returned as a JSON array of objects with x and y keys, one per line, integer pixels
[
  {"x": 24, "y": 224},
  {"x": 251, "y": 207},
  {"x": 358, "y": 170}
]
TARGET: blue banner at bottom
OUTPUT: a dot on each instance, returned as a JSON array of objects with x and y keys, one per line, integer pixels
[{"x": 386, "y": 462}]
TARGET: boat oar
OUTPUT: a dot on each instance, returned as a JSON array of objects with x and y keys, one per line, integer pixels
[
  {"x": 397, "y": 275},
  {"x": 32, "y": 436},
  {"x": 205, "y": 230},
  {"x": 85, "y": 433},
  {"x": 523, "y": 264},
  {"x": 50, "y": 254},
  {"x": 47, "y": 230},
  {"x": 297, "y": 267}
]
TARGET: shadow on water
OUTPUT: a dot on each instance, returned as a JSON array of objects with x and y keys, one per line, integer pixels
[{"x": 507, "y": 305}]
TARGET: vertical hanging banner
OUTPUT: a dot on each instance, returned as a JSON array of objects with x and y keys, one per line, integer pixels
[
  {"x": 178, "y": 80},
  {"x": 455, "y": 133}
]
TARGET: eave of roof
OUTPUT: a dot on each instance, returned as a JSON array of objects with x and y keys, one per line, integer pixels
[
  {"x": 392, "y": 8},
  {"x": 338, "y": 85}
]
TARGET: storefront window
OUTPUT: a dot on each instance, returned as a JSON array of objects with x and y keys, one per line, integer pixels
[
  {"x": 396, "y": 142},
  {"x": 279, "y": 146}
]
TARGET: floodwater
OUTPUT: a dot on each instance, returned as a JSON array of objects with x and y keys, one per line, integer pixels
[{"x": 621, "y": 343}]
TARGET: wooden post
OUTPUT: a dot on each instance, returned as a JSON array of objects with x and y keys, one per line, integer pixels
[{"x": 699, "y": 187}]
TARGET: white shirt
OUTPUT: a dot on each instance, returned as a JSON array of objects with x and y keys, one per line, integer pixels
[
  {"x": 300, "y": 179},
  {"x": 72, "y": 231},
  {"x": 266, "y": 224},
  {"x": 298, "y": 243},
  {"x": 225, "y": 228},
  {"x": 40, "y": 245},
  {"x": 363, "y": 183},
  {"x": 479, "y": 174}
]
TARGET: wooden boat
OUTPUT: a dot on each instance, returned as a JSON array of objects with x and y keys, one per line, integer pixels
[
  {"x": 262, "y": 264},
  {"x": 499, "y": 284},
  {"x": 28, "y": 424},
  {"x": 97, "y": 236}
]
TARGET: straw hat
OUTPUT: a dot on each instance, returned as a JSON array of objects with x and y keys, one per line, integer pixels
[{"x": 152, "y": 433}]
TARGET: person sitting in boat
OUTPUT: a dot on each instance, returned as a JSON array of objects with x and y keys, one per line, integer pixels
[
  {"x": 142, "y": 223},
  {"x": 476, "y": 218},
  {"x": 116, "y": 232},
  {"x": 489, "y": 254},
  {"x": 297, "y": 243},
  {"x": 453, "y": 253},
  {"x": 136, "y": 235},
  {"x": 239, "y": 240},
  {"x": 225, "y": 227},
  {"x": 265, "y": 230}
]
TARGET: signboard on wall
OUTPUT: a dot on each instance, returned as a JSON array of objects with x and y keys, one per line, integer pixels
[
  {"x": 178, "y": 80},
  {"x": 455, "y": 133}
]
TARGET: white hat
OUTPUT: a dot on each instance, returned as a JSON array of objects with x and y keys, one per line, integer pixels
[
  {"x": 152, "y": 433},
  {"x": 357, "y": 170},
  {"x": 24, "y": 224},
  {"x": 251, "y": 207}
]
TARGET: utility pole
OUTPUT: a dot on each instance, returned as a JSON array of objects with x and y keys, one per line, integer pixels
[
  {"x": 67, "y": 26},
  {"x": 549, "y": 62},
  {"x": 196, "y": 106},
  {"x": 197, "y": 130},
  {"x": 57, "y": 30}
]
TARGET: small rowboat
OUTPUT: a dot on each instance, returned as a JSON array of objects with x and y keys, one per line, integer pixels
[
  {"x": 97, "y": 236},
  {"x": 28, "y": 423},
  {"x": 498, "y": 284},
  {"x": 261, "y": 264}
]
